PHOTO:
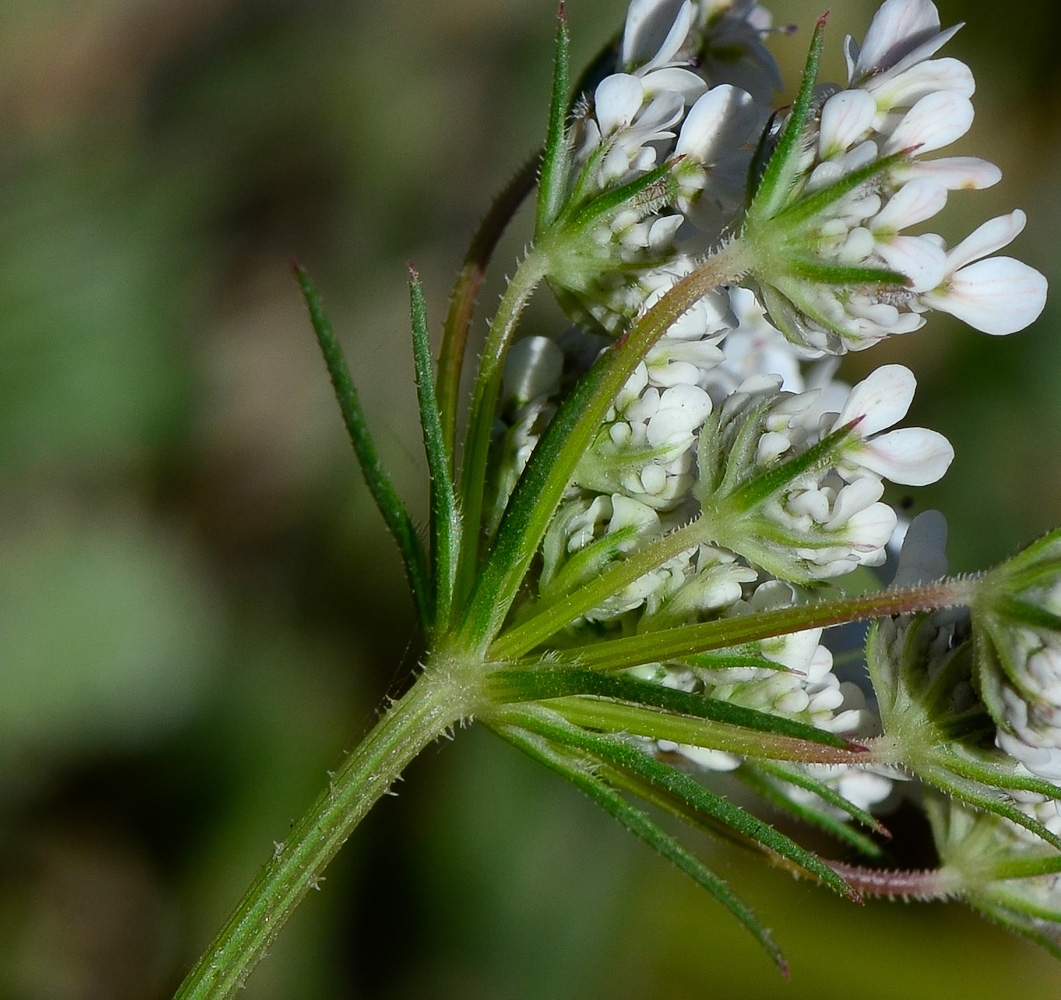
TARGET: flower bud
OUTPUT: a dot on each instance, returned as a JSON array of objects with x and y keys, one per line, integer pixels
[{"x": 1017, "y": 618}]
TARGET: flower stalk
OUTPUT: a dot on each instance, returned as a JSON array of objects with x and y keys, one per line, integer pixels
[{"x": 435, "y": 704}]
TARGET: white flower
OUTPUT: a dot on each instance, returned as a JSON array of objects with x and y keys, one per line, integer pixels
[
  {"x": 654, "y": 35},
  {"x": 900, "y": 105},
  {"x": 628, "y": 120},
  {"x": 646, "y": 446},
  {"x": 731, "y": 47},
  {"x": 910, "y": 456},
  {"x": 588, "y": 532},
  {"x": 715, "y": 145},
  {"x": 826, "y": 517},
  {"x": 997, "y": 296},
  {"x": 902, "y": 34},
  {"x": 754, "y": 347},
  {"x": 802, "y": 685}
]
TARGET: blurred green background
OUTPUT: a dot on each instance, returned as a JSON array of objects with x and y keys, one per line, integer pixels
[{"x": 199, "y": 610}]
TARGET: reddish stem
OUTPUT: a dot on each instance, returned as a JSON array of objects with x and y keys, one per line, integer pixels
[{"x": 925, "y": 884}]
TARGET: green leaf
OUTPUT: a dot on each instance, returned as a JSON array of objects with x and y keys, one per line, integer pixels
[
  {"x": 585, "y": 565},
  {"x": 445, "y": 529},
  {"x": 647, "y": 193},
  {"x": 621, "y": 718},
  {"x": 746, "y": 655},
  {"x": 379, "y": 484},
  {"x": 558, "y": 682},
  {"x": 630, "y": 759},
  {"x": 838, "y": 274},
  {"x": 995, "y": 770},
  {"x": 1024, "y": 568},
  {"x": 987, "y": 799},
  {"x": 774, "y": 479},
  {"x": 1022, "y": 865},
  {"x": 808, "y": 207},
  {"x": 638, "y": 823},
  {"x": 556, "y": 159},
  {"x": 552, "y": 611},
  {"x": 788, "y": 306},
  {"x": 782, "y": 171},
  {"x": 758, "y": 774},
  {"x": 1020, "y": 612}
]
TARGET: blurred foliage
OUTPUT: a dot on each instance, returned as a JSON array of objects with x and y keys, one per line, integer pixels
[{"x": 198, "y": 608}]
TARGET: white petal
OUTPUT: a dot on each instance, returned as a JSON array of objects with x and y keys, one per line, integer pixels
[
  {"x": 532, "y": 368},
  {"x": 813, "y": 503},
  {"x": 914, "y": 202},
  {"x": 850, "y": 56},
  {"x": 881, "y": 399},
  {"x": 722, "y": 119},
  {"x": 631, "y": 513},
  {"x": 924, "y": 263},
  {"x": 846, "y": 117},
  {"x": 869, "y": 530},
  {"x": 1042, "y": 761},
  {"x": 855, "y": 497},
  {"x": 910, "y": 456},
  {"x": 661, "y": 233},
  {"x": 617, "y": 99},
  {"x": 648, "y": 24},
  {"x": 896, "y": 28},
  {"x": 905, "y": 89},
  {"x": 677, "y": 34},
  {"x": 923, "y": 556},
  {"x": 664, "y": 110},
  {"x": 614, "y": 165},
  {"x": 682, "y": 408},
  {"x": 925, "y": 49},
  {"x": 680, "y": 81},
  {"x": 638, "y": 31},
  {"x": 997, "y": 296},
  {"x": 935, "y": 121},
  {"x": 956, "y": 173},
  {"x": 986, "y": 239}
]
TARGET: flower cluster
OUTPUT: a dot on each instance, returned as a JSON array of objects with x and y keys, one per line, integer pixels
[
  {"x": 1017, "y": 621},
  {"x": 732, "y": 433},
  {"x": 652, "y": 141},
  {"x": 950, "y": 683},
  {"x": 650, "y": 519},
  {"x": 843, "y": 270}
]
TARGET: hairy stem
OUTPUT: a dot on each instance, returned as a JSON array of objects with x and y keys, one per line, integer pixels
[
  {"x": 686, "y": 640},
  {"x": 484, "y": 403},
  {"x": 434, "y": 703},
  {"x": 935, "y": 883}
]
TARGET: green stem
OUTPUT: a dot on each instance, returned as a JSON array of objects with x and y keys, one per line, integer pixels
[
  {"x": 683, "y": 640},
  {"x": 435, "y": 702},
  {"x": 608, "y": 717}
]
